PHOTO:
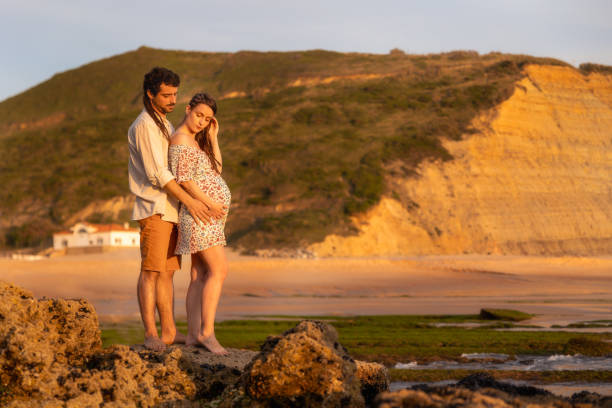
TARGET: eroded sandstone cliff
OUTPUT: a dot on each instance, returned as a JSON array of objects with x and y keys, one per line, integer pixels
[{"x": 536, "y": 178}]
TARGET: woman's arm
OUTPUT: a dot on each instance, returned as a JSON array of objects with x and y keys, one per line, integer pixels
[{"x": 213, "y": 132}]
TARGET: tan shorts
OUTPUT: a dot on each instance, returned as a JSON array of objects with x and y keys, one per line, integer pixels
[{"x": 157, "y": 245}]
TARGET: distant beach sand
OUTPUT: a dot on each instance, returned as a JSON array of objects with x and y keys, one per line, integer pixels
[{"x": 560, "y": 290}]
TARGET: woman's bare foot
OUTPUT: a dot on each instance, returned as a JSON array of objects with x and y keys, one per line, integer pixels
[
  {"x": 176, "y": 338},
  {"x": 154, "y": 343},
  {"x": 212, "y": 344},
  {"x": 179, "y": 338},
  {"x": 191, "y": 340}
]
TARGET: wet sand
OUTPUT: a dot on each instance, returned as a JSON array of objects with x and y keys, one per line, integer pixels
[{"x": 559, "y": 290}]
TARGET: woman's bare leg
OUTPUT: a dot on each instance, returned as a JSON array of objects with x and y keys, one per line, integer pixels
[
  {"x": 216, "y": 268},
  {"x": 194, "y": 299}
]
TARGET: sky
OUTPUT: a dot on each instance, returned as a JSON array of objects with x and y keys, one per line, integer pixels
[{"x": 42, "y": 37}]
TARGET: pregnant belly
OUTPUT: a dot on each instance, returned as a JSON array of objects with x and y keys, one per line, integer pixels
[{"x": 217, "y": 189}]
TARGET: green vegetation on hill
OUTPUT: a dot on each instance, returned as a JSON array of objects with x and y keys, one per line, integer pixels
[
  {"x": 300, "y": 160},
  {"x": 589, "y": 67}
]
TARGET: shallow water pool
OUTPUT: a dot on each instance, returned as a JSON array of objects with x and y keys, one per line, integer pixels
[
  {"x": 491, "y": 361},
  {"x": 561, "y": 389}
]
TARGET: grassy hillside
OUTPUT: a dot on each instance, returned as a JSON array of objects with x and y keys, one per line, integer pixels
[{"x": 307, "y": 138}]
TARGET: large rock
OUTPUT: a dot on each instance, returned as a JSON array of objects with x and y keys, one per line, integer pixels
[
  {"x": 50, "y": 356},
  {"x": 133, "y": 376},
  {"x": 121, "y": 377},
  {"x": 374, "y": 379},
  {"x": 40, "y": 338},
  {"x": 304, "y": 367},
  {"x": 211, "y": 373}
]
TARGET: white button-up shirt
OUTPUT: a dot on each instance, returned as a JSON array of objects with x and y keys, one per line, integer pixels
[{"x": 148, "y": 169}]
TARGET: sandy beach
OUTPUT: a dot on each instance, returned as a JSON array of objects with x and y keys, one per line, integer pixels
[{"x": 558, "y": 290}]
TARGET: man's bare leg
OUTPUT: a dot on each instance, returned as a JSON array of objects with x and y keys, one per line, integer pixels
[
  {"x": 217, "y": 266},
  {"x": 194, "y": 299},
  {"x": 165, "y": 308},
  {"x": 147, "y": 282}
]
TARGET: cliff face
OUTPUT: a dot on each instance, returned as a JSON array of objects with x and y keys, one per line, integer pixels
[{"x": 536, "y": 178}]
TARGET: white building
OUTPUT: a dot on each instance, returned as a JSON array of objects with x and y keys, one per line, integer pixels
[{"x": 85, "y": 235}]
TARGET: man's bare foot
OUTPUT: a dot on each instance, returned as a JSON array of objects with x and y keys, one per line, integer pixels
[
  {"x": 212, "y": 345},
  {"x": 154, "y": 343}
]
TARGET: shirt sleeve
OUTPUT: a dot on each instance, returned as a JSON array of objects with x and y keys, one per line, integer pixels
[
  {"x": 183, "y": 162},
  {"x": 152, "y": 151}
]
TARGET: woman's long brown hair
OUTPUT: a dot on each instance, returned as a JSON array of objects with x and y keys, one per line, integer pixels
[{"x": 202, "y": 136}]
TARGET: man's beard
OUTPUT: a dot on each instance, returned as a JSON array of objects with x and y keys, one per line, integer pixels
[{"x": 161, "y": 108}]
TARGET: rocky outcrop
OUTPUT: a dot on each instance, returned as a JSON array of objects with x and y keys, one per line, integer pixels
[
  {"x": 51, "y": 356},
  {"x": 483, "y": 391},
  {"x": 374, "y": 379},
  {"x": 212, "y": 374},
  {"x": 450, "y": 398},
  {"x": 306, "y": 367},
  {"x": 40, "y": 338},
  {"x": 533, "y": 179},
  {"x": 120, "y": 376}
]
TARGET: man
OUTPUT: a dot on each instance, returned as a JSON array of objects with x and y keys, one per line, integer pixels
[{"x": 156, "y": 207}]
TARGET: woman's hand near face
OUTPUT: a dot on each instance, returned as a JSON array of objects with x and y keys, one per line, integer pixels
[{"x": 213, "y": 131}]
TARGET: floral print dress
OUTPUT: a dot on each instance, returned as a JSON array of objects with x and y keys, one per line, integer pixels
[{"x": 191, "y": 163}]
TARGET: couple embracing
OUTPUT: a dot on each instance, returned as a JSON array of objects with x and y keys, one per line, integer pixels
[{"x": 181, "y": 206}]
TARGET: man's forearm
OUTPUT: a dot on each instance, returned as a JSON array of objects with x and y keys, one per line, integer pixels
[
  {"x": 196, "y": 208},
  {"x": 176, "y": 191}
]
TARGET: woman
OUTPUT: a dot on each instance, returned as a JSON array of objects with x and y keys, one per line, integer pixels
[{"x": 195, "y": 161}]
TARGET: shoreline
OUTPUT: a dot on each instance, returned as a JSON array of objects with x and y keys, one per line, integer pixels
[{"x": 558, "y": 290}]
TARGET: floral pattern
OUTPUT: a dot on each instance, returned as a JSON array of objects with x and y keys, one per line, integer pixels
[{"x": 191, "y": 163}]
